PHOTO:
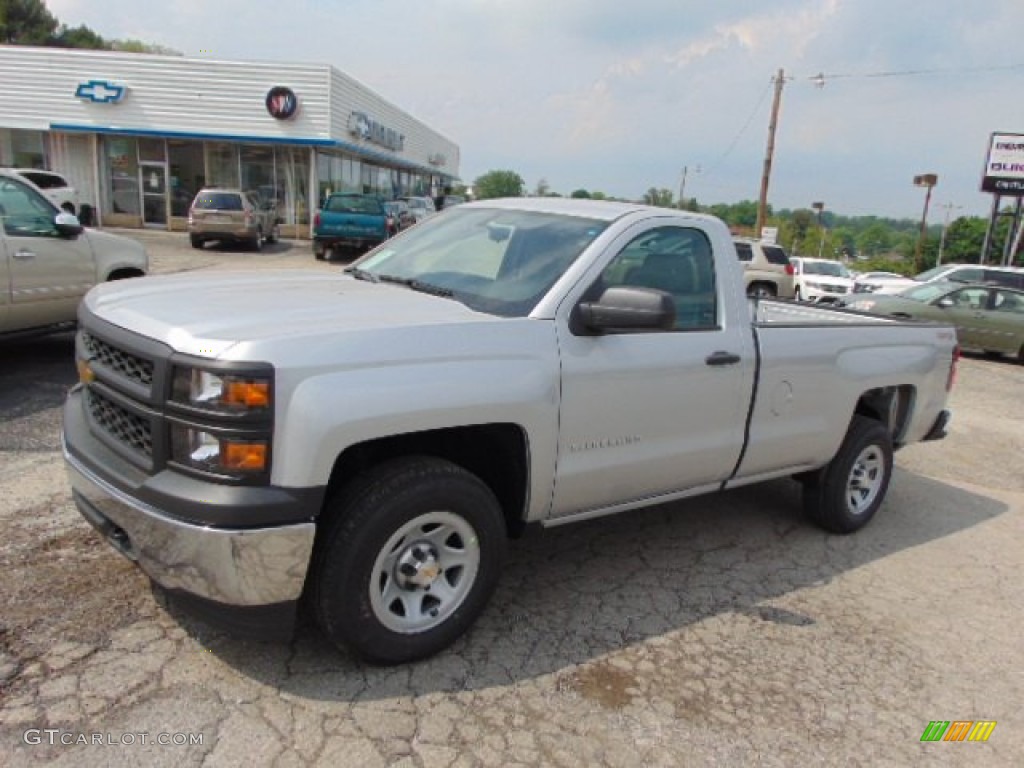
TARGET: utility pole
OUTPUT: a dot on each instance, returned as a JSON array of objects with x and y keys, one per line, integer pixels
[
  {"x": 927, "y": 180},
  {"x": 682, "y": 186},
  {"x": 762, "y": 204}
]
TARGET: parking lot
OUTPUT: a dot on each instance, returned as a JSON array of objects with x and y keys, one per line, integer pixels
[{"x": 719, "y": 630}]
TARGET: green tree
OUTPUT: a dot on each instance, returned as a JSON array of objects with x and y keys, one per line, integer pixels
[
  {"x": 26, "y": 22},
  {"x": 659, "y": 197},
  {"x": 875, "y": 240},
  {"x": 137, "y": 46},
  {"x": 498, "y": 184},
  {"x": 80, "y": 37},
  {"x": 580, "y": 194}
]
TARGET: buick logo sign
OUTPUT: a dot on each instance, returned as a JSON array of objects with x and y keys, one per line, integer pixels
[{"x": 282, "y": 103}]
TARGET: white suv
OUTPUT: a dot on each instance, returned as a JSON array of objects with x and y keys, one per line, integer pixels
[
  {"x": 54, "y": 187},
  {"x": 1011, "y": 277}
]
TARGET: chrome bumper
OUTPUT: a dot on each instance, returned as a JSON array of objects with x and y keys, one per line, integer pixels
[{"x": 248, "y": 567}]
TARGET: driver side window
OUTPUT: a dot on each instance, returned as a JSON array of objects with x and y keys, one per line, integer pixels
[
  {"x": 676, "y": 260},
  {"x": 24, "y": 212}
]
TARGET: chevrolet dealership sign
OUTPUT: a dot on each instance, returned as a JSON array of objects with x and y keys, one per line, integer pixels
[{"x": 1004, "y": 170}]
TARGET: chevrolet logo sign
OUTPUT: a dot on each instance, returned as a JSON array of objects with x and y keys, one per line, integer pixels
[{"x": 100, "y": 92}]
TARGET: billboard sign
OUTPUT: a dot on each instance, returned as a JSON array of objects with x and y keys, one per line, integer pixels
[{"x": 1004, "y": 169}]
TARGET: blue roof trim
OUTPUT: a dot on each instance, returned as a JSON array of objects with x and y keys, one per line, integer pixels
[{"x": 285, "y": 141}]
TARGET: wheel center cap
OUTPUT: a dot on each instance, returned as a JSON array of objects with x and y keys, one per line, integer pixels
[{"x": 418, "y": 566}]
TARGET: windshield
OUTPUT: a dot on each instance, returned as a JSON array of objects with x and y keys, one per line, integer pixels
[
  {"x": 495, "y": 261},
  {"x": 830, "y": 268},
  {"x": 927, "y": 293}
]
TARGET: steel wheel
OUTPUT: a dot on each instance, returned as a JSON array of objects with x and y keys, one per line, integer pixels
[
  {"x": 866, "y": 480},
  {"x": 424, "y": 572}
]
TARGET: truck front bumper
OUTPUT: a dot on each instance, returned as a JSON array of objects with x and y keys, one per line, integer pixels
[{"x": 247, "y": 580}]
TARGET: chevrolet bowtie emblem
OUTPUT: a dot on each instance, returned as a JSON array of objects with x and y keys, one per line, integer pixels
[{"x": 100, "y": 92}]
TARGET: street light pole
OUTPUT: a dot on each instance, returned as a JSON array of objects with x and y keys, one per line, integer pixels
[
  {"x": 942, "y": 240},
  {"x": 819, "y": 207},
  {"x": 927, "y": 180}
]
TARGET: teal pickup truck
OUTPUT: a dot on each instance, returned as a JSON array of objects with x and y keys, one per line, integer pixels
[{"x": 349, "y": 221}]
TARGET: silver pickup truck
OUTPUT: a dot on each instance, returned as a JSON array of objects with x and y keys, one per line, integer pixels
[{"x": 366, "y": 443}]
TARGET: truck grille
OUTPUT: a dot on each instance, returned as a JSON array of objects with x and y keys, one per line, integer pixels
[
  {"x": 120, "y": 424},
  {"x": 132, "y": 367}
]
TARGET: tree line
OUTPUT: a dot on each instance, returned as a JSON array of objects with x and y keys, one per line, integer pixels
[
  {"x": 873, "y": 242},
  {"x": 29, "y": 22}
]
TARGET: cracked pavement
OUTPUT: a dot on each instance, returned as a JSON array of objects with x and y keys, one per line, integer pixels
[{"x": 720, "y": 630}]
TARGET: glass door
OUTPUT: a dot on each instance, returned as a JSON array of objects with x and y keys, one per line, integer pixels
[{"x": 153, "y": 181}]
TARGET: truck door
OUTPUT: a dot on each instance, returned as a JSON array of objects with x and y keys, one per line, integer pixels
[
  {"x": 653, "y": 413},
  {"x": 49, "y": 273}
]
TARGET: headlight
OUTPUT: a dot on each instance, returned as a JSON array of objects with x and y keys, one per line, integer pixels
[
  {"x": 207, "y": 452},
  {"x": 222, "y": 392}
]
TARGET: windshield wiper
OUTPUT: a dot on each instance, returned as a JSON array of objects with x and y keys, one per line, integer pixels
[
  {"x": 417, "y": 285},
  {"x": 362, "y": 274}
]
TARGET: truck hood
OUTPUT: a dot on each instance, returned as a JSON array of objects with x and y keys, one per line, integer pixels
[{"x": 207, "y": 313}]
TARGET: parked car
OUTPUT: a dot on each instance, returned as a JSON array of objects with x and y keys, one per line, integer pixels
[
  {"x": 54, "y": 187},
  {"x": 399, "y": 216},
  {"x": 232, "y": 216},
  {"x": 363, "y": 444},
  {"x": 1012, "y": 277},
  {"x": 820, "y": 280},
  {"x": 767, "y": 271},
  {"x": 421, "y": 207},
  {"x": 48, "y": 260},
  {"x": 349, "y": 221},
  {"x": 987, "y": 317}
]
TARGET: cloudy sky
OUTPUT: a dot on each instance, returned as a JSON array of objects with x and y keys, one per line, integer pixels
[{"x": 620, "y": 95}]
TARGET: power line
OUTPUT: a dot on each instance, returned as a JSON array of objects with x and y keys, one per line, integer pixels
[
  {"x": 820, "y": 78},
  {"x": 714, "y": 165}
]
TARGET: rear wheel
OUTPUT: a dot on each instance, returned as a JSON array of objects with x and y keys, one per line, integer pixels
[
  {"x": 411, "y": 556},
  {"x": 257, "y": 242},
  {"x": 844, "y": 495},
  {"x": 761, "y": 290},
  {"x": 275, "y": 234},
  {"x": 196, "y": 241}
]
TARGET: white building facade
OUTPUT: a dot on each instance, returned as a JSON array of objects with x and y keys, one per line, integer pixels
[{"x": 140, "y": 134}]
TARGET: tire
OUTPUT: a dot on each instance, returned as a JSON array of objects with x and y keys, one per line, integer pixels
[
  {"x": 275, "y": 234},
  {"x": 796, "y": 295},
  {"x": 844, "y": 495},
  {"x": 1020, "y": 354},
  {"x": 761, "y": 291},
  {"x": 196, "y": 241},
  {"x": 409, "y": 560},
  {"x": 256, "y": 243}
]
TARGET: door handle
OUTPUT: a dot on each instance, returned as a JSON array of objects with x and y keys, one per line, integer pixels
[
  {"x": 23, "y": 254},
  {"x": 722, "y": 358}
]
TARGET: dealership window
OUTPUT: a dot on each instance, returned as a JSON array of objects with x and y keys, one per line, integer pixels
[
  {"x": 152, "y": 151},
  {"x": 222, "y": 161},
  {"x": 122, "y": 176},
  {"x": 27, "y": 149},
  {"x": 187, "y": 173},
  {"x": 293, "y": 177},
  {"x": 350, "y": 172},
  {"x": 258, "y": 173}
]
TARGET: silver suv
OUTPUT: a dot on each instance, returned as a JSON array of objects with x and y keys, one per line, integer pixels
[{"x": 767, "y": 272}]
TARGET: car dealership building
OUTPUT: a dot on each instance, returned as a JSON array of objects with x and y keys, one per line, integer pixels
[{"x": 140, "y": 134}]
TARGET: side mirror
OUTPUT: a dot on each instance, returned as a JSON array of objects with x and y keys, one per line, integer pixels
[
  {"x": 626, "y": 309},
  {"x": 68, "y": 224},
  {"x": 945, "y": 302}
]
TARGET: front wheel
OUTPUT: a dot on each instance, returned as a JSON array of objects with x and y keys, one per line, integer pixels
[
  {"x": 275, "y": 234},
  {"x": 844, "y": 495},
  {"x": 411, "y": 556}
]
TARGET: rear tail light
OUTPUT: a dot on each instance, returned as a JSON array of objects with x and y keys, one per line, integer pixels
[
  {"x": 789, "y": 269},
  {"x": 316, "y": 220},
  {"x": 952, "y": 368}
]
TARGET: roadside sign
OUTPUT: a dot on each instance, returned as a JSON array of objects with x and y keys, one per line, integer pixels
[{"x": 1004, "y": 168}]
